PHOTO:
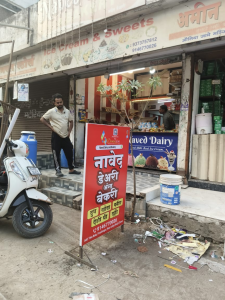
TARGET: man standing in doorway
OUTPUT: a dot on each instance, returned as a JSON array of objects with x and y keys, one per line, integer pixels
[
  {"x": 167, "y": 118},
  {"x": 59, "y": 120}
]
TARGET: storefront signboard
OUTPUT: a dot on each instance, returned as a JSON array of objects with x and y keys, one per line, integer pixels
[
  {"x": 105, "y": 176},
  {"x": 187, "y": 24},
  {"x": 154, "y": 150}
]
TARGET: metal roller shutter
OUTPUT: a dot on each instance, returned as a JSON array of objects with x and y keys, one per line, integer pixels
[{"x": 40, "y": 94}]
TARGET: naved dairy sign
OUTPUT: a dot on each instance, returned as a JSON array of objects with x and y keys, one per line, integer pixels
[{"x": 154, "y": 151}]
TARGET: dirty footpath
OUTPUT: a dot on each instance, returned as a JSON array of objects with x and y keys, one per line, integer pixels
[{"x": 147, "y": 261}]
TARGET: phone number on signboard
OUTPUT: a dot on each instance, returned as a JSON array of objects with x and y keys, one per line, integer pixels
[
  {"x": 144, "y": 42},
  {"x": 144, "y": 47}
]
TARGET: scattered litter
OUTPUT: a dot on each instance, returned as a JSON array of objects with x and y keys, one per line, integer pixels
[
  {"x": 131, "y": 274},
  {"x": 186, "y": 235},
  {"x": 214, "y": 266},
  {"x": 141, "y": 216},
  {"x": 222, "y": 257},
  {"x": 192, "y": 268},
  {"x": 191, "y": 260},
  {"x": 136, "y": 214},
  {"x": 50, "y": 242},
  {"x": 138, "y": 236},
  {"x": 186, "y": 253},
  {"x": 50, "y": 251},
  {"x": 103, "y": 253},
  {"x": 136, "y": 240},
  {"x": 80, "y": 296},
  {"x": 93, "y": 269},
  {"x": 158, "y": 221},
  {"x": 142, "y": 249},
  {"x": 90, "y": 286},
  {"x": 159, "y": 251},
  {"x": 173, "y": 262},
  {"x": 210, "y": 280},
  {"x": 78, "y": 265},
  {"x": 213, "y": 254},
  {"x": 137, "y": 221},
  {"x": 114, "y": 261},
  {"x": 170, "y": 258},
  {"x": 177, "y": 240},
  {"x": 175, "y": 269}
]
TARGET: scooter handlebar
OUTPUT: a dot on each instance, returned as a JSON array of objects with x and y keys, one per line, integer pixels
[{"x": 11, "y": 144}]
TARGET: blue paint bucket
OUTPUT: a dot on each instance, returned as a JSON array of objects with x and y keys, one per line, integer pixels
[
  {"x": 29, "y": 138},
  {"x": 64, "y": 163},
  {"x": 170, "y": 188}
]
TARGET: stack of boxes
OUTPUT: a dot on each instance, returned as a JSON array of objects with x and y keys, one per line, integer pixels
[
  {"x": 218, "y": 124},
  {"x": 176, "y": 76},
  {"x": 211, "y": 69},
  {"x": 208, "y": 107},
  {"x": 206, "y": 88}
]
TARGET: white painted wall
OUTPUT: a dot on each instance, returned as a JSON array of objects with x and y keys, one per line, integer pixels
[{"x": 18, "y": 35}]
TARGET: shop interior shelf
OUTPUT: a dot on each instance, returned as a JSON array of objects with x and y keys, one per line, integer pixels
[
  {"x": 176, "y": 84},
  {"x": 209, "y": 98}
]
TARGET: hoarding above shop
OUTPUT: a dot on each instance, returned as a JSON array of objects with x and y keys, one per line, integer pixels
[
  {"x": 60, "y": 16},
  {"x": 197, "y": 22}
]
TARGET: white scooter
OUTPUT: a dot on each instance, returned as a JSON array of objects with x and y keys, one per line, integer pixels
[{"x": 19, "y": 198}]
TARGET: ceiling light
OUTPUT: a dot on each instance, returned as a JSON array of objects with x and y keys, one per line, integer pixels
[
  {"x": 130, "y": 71},
  {"x": 151, "y": 70},
  {"x": 106, "y": 75}
]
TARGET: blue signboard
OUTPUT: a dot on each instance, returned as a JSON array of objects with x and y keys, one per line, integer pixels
[{"x": 154, "y": 150}]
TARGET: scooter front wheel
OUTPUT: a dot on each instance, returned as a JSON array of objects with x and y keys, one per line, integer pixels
[{"x": 30, "y": 226}]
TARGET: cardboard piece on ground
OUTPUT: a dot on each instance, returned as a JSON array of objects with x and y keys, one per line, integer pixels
[{"x": 188, "y": 252}]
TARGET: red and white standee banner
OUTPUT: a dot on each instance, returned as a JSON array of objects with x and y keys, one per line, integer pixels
[{"x": 105, "y": 176}]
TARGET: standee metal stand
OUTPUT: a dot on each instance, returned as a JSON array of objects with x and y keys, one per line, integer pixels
[{"x": 80, "y": 257}]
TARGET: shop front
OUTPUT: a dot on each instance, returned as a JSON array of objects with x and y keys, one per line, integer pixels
[
  {"x": 154, "y": 146},
  {"x": 208, "y": 119}
]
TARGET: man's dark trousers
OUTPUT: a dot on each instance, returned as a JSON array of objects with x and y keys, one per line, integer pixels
[{"x": 59, "y": 143}]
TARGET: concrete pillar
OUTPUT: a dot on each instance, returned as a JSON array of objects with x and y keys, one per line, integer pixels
[
  {"x": 194, "y": 166},
  {"x": 195, "y": 105},
  {"x": 79, "y": 127},
  {"x": 203, "y": 157},
  {"x": 220, "y": 155},
  {"x": 184, "y": 116},
  {"x": 212, "y": 157}
]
